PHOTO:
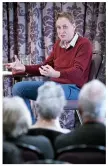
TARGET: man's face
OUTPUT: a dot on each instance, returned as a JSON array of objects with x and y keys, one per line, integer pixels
[{"x": 65, "y": 29}]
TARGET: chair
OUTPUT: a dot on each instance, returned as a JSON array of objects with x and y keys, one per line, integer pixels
[
  {"x": 46, "y": 161},
  {"x": 30, "y": 152},
  {"x": 82, "y": 154},
  {"x": 11, "y": 153},
  {"x": 94, "y": 70}
]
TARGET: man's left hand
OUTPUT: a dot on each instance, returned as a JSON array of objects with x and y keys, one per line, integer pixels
[{"x": 48, "y": 71}]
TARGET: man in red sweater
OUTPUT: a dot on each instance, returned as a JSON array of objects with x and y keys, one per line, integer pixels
[{"x": 68, "y": 64}]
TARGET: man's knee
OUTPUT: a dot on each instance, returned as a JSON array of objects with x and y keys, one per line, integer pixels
[{"x": 17, "y": 89}]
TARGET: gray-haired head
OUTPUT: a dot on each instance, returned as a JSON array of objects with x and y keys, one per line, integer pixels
[
  {"x": 50, "y": 101},
  {"x": 16, "y": 117},
  {"x": 92, "y": 100}
]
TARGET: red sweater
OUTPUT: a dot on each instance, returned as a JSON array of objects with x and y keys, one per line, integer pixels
[{"x": 73, "y": 63}]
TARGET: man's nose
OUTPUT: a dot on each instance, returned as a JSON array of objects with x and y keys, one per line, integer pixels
[{"x": 62, "y": 31}]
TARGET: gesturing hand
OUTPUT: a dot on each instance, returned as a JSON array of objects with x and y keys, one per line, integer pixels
[
  {"x": 48, "y": 71},
  {"x": 16, "y": 66}
]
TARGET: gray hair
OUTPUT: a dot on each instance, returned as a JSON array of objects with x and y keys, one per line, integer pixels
[
  {"x": 16, "y": 116},
  {"x": 92, "y": 99},
  {"x": 51, "y": 100}
]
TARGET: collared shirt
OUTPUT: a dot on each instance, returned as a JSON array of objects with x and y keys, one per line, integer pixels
[{"x": 72, "y": 42}]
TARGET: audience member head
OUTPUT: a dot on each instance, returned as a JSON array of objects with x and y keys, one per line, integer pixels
[
  {"x": 50, "y": 101},
  {"x": 92, "y": 101},
  {"x": 16, "y": 117}
]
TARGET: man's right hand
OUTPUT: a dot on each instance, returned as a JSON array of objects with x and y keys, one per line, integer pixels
[{"x": 16, "y": 66}]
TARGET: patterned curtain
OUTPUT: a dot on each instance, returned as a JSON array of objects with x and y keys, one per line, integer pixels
[{"x": 29, "y": 28}]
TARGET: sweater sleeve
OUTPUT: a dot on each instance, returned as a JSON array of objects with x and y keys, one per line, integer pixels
[
  {"x": 80, "y": 65},
  {"x": 34, "y": 69}
]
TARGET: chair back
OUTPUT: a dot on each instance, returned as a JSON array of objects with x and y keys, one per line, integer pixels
[
  {"x": 46, "y": 161},
  {"x": 30, "y": 152},
  {"x": 94, "y": 70},
  {"x": 11, "y": 153},
  {"x": 82, "y": 154},
  {"x": 95, "y": 66},
  {"x": 50, "y": 134}
]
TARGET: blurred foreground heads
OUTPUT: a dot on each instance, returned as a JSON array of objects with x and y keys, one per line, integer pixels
[
  {"x": 92, "y": 108},
  {"x": 51, "y": 100},
  {"x": 49, "y": 106},
  {"x": 92, "y": 101},
  {"x": 16, "y": 117}
]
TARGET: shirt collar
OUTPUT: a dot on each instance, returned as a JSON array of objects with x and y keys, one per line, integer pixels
[{"x": 72, "y": 42}]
